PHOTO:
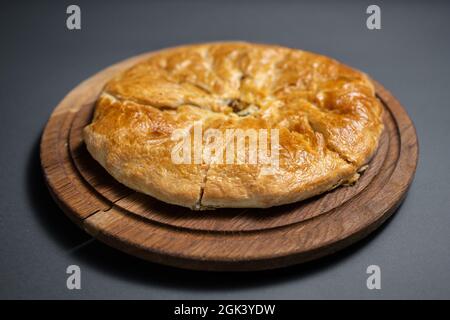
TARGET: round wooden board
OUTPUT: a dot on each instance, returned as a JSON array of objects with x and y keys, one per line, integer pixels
[{"x": 228, "y": 239}]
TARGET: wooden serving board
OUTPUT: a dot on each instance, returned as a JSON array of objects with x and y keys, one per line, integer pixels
[{"x": 228, "y": 239}]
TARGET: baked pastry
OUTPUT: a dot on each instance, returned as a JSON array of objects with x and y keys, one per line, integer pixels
[{"x": 324, "y": 115}]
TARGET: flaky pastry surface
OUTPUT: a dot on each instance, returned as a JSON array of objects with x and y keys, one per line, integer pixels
[{"x": 328, "y": 118}]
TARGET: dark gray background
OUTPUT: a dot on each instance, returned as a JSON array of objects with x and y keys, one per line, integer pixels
[{"x": 41, "y": 61}]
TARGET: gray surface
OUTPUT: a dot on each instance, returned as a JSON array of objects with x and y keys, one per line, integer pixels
[{"x": 41, "y": 61}]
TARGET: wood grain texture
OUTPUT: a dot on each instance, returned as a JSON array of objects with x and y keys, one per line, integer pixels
[{"x": 225, "y": 239}]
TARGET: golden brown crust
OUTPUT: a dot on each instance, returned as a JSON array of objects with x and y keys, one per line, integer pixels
[{"x": 328, "y": 118}]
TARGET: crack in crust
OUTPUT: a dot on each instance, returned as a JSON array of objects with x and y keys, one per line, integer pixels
[{"x": 327, "y": 113}]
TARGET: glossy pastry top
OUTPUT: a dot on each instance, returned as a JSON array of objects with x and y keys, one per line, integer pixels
[{"x": 327, "y": 118}]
